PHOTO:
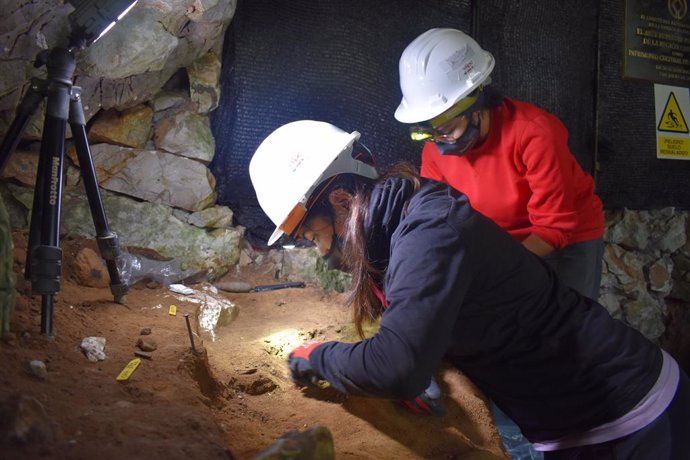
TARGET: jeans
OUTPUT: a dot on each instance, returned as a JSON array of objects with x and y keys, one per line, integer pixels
[{"x": 514, "y": 442}]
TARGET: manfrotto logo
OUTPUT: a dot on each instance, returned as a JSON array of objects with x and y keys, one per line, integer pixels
[{"x": 54, "y": 169}]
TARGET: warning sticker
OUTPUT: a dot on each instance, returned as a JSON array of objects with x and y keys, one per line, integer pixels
[
  {"x": 672, "y": 106},
  {"x": 672, "y": 119}
]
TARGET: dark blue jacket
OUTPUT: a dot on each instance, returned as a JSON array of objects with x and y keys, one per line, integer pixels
[{"x": 461, "y": 289}]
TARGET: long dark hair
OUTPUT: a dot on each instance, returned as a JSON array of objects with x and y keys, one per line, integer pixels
[{"x": 366, "y": 305}]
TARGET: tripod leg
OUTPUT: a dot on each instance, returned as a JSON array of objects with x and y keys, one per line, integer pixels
[
  {"x": 46, "y": 257},
  {"x": 25, "y": 110},
  {"x": 108, "y": 242}
]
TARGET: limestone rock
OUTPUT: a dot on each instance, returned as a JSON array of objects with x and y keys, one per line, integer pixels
[
  {"x": 93, "y": 348},
  {"x": 187, "y": 134},
  {"x": 147, "y": 344},
  {"x": 151, "y": 225},
  {"x": 129, "y": 128},
  {"x": 147, "y": 225},
  {"x": 659, "y": 275},
  {"x": 108, "y": 160},
  {"x": 128, "y": 65},
  {"x": 27, "y": 29},
  {"x": 204, "y": 87},
  {"x": 213, "y": 313},
  {"x": 167, "y": 179},
  {"x": 631, "y": 232},
  {"x": 169, "y": 99},
  {"x": 306, "y": 264},
  {"x": 213, "y": 217},
  {"x": 626, "y": 266},
  {"x": 673, "y": 235},
  {"x": 139, "y": 44},
  {"x": 38, "y": 369},
  {"x": 22, "y": 166}
]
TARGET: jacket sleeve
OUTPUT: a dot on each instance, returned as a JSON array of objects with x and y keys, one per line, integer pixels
[
  {"x": 426, "y": 281},
  {"x": 549, "y": 169}
]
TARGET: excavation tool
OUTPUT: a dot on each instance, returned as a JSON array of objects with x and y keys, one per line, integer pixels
[
  {"x": 241, "y": 286},
  {"x": 189, "y": 330}
]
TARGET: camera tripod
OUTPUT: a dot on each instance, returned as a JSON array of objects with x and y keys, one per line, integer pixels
[{"x": 63, "y": 103}]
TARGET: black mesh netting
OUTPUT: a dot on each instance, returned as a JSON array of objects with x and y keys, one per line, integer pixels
[{"x": 546, "y": 54}]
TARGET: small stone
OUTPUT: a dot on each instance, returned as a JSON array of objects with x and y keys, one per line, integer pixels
[
  {"x": 38, "y": 369},
  {"x": 143, "y": 354},
  {"x": 145, "y": 331},
  {"x": 147, "y": 344},
  {"x": 94, "y": 348}
]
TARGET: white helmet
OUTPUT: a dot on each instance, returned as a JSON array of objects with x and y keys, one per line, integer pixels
[
  {"x": 437, "y": 69},
  {"x": 293, "y": 161}
]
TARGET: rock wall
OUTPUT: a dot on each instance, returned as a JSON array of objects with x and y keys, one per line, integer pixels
[
  {"x": 147, "y": 89},
  {"x": 646, "y": 275}
]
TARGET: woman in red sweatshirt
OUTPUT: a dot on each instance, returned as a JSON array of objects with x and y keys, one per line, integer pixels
[{"x": 509, "y": 157}]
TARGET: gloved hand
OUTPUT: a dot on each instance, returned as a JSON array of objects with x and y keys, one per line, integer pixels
[
  {"x": 429, "y": 402},
  {"x": 300, "y": 368}
]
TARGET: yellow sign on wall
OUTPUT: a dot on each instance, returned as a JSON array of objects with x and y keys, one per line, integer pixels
[{"x": 672, "y": 105}]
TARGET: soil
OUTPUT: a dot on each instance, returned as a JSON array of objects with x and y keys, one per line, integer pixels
[{"x": 231, "y": 398}]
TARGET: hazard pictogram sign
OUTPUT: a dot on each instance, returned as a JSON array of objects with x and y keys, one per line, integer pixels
[{"x": 672, "y": 119}]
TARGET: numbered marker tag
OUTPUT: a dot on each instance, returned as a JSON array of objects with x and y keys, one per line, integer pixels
[
  {"x": 128, "y": 370},
  {"x": 172, "y": 311}
]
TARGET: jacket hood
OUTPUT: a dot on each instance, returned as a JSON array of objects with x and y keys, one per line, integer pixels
[{"x": 387, "y": 207}]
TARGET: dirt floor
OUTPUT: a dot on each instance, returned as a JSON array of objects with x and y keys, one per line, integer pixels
[{"x": 232, "y": 399}]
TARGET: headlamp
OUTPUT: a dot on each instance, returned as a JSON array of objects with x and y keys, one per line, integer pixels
[{"x": 421, "y": 133}]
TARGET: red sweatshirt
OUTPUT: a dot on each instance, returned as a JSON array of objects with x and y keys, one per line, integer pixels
[{"x": 524, "y": 177}]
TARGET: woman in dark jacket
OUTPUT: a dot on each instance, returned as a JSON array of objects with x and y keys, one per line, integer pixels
[{"x": 448, "y": 283}]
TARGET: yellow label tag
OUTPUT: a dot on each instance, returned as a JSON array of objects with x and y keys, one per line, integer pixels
[
  {"x": 173, "y": 310},
  {"x": 128, "y": 370}
]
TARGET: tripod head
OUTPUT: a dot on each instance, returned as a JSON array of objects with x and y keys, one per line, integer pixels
[{"x": 90, "y": 20}]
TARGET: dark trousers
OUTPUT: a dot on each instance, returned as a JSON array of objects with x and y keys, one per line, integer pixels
[
  {"x": 579, "y": 266},
  {"x": 666, "y": 438}
]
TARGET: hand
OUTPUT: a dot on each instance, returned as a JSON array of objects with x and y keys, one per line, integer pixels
[
  {"x": 300, "y": 367},
  {"x": 429, "y": 402}
]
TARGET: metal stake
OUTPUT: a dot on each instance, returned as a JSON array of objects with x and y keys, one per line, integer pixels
[{"x": 189, "y": 329}]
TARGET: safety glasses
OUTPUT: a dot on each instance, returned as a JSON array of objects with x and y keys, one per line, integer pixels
[
  {"x": 422, "y": 133},
  {"x": 431, "y": 132}
]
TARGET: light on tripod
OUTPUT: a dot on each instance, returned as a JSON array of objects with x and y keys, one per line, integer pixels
[{"x": 92, "y": 19}]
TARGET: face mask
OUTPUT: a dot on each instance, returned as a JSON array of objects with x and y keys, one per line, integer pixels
[
  {"x": 462, "y": 144},
  {"x": 334, "y": 256}
]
